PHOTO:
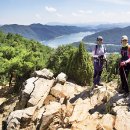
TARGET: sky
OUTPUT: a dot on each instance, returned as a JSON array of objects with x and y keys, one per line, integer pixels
[{"x": 25, "y": 12}]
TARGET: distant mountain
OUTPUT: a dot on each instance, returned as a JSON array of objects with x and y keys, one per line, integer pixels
[
  {"x": 23, "y": 30},
  {"x": 42, "y": 32},
  {"x": 109, "y": 48},
  {"x": 92, "y": 25},
  {"x": 111, "y": 36}
]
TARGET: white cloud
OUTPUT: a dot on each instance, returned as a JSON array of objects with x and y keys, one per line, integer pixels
[
  {"x": 81, "y": 13},
  {"x": 124, "y": 2},
  {"x": 75, "y": 14},
  {"x": 100, "y": 17},
  {"x": 89, "y": 12},
  {"x": 50, "y": 9},
  {"x": 128, "y": 12},
  {"x": 59, "y": 15},
  {"x": 85, "y": 11}
]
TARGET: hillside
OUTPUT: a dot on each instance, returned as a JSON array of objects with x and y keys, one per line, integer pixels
[
  {"x": 41, "y": 32},
  {"x": 48, "y": 104},
  {"x": 23, "y": 30},
  {"x": 111, "y": 36}
]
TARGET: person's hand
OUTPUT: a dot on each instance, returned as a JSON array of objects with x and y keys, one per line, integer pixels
[
  {"x": 123, "y": 63},
  {"x": 101, "y": 56}
]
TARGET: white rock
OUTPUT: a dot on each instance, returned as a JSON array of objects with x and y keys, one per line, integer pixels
[
  {"x": 40, "y": 92},
  {"x": 81, "y": 110},
  {"x": 45, "y": 73},
  {"x": 61, "y": 78},
  {"x": 52, "y": 108},
  {"x": 122, "y": 120}
]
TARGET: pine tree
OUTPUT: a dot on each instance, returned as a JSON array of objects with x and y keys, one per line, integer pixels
[{"x": 80, "y": 66}]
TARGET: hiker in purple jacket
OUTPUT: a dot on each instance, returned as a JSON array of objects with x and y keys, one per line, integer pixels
[
  {"x": 98, "y": 54},
  {"x": 124, "y": 68}
]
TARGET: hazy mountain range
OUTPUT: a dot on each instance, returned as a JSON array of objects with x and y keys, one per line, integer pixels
[
  {"x": 46, "y": 32},
  {"x": 111, "y": 36},
  {"x": 42, "y": 32},
  {"x": 111, "y": 33}
]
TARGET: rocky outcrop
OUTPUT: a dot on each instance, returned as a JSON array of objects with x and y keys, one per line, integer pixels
[{"x": 57, "y": 104}]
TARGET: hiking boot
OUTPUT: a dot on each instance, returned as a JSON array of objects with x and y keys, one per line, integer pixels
[
  {"x": 99, "y": 84},
  {"x": 95, "y": 86}
]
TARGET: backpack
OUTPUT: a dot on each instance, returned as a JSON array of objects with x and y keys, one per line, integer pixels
[{"x": 97, "y": 47}]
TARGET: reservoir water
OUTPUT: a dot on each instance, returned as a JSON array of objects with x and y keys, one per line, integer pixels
[{"x": 66, "y": 39}]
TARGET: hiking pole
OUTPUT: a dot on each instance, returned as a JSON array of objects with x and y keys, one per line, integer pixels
[
  {"x": 118, "y": 74},
  {"x": 118, "y": 83},
  {"x": 125, "y": 76}
]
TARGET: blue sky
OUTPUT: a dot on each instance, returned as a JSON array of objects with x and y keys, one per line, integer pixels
[{"x": 64, "y": 11}]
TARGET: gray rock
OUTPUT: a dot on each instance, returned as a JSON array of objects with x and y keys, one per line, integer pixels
[
  {"x": 40, "y": 92},
  {"x": 45, "y": 73},
  {"x": 16, "y": 118}
]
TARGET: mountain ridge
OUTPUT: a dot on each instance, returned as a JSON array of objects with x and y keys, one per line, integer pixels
[
  {"x": 111, "y": 36},
  {"x": 41, "y": 32}
]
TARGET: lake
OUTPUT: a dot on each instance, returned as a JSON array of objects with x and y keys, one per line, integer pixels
[{"x": 66, "y": 39}]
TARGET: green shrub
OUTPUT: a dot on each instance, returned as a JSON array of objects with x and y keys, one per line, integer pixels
[
  {"x": 80, "y": 66},
  {"x": 112, "y": 68},
  {"x": 20, "y": 57},
  {"x": 59, "y": 60}
]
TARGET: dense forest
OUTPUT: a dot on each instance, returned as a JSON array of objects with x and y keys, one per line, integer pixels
[{"x": 20, "y": 57}]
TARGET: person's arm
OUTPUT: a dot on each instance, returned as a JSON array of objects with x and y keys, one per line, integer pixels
[
  {"x": 93, "y": 52},
  {"x": 127, "y": 61},
  {"x": 104, "y": 52}
]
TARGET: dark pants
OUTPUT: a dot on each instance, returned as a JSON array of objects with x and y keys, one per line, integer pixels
[
  {"x": 124, "y": 71},
  {"x": 98, "y": 66}
]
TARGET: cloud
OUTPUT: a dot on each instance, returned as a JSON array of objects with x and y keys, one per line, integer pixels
[
  {"x": 124, "y": 2},
  {"x": 50, "y": 9},
  {"x": 128, "y": 12},
  {"x": 85, "y": 11},
  {"x": 75, "y": 14},
  {"x": 82, "y": 13},
  {"x": 59, "y": 15}
]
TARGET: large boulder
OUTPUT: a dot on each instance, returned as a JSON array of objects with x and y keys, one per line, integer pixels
[
  {"x": 41, "y": 90},
  {"x": 45, "y": 73},
  {"x": 20, "y": 118},
  {"x": 26, "y": 92},
  {"x": 67, "y": 90},
  {"x": 35, "y": 92},
  {"x": 48, "y": 115}
]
